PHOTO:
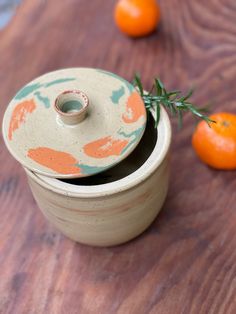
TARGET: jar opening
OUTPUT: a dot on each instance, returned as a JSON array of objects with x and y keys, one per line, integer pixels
[
  {"x": 71, "y": 106},
  {"x": 132, "y": 163}
]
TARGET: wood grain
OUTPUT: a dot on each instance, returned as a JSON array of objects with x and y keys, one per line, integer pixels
[{"x": 186, "y": 262}]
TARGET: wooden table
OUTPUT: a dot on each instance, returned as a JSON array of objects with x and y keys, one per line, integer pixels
[{"x": 186, "y": 261}]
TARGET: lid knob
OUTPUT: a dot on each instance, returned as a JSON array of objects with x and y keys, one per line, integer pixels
[{"x": 72, "y": 106}]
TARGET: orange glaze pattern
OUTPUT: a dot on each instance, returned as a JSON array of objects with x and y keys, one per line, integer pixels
[
  {"x": 19, "y": 115},
  {"x": 134, "y": 108},
  {"x": 61, "y": 162},
  {"x": 105, "y": 147}
]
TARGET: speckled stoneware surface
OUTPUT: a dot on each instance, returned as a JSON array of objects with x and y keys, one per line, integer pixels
[{"x": 42, "y": 131}]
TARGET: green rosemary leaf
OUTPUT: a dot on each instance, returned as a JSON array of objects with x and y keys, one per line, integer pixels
[
  {"x": 160, "y": 83},
  {"x": 158, "y": 87},
  {"x": 188, "y": 95},
  {"x": 171, "y": 100},
  {"x": 137, "y": 82},
  {"x": 208, "y": 121},
  {"x": 195, "y": 111},
  {"x": 158, "y": 114},
  {"x": 174, "y": 93}
]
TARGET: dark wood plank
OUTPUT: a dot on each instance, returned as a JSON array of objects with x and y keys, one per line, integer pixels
[{"x": 185, "y": 263}]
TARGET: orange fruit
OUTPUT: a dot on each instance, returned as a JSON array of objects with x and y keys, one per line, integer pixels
[
  {"x": 216, "y": 145},
  {"x": 137, "y": 18}
]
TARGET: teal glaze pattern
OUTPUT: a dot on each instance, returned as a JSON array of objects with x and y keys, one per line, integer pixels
[
  {"x": 29, "y": 89},
  {"x": 87, "y": 170},
  {"x": 117, "y": 94},
  {"x": 59, "y": 81},
  {"x": 44, "y": 100},
  {"x": 136, "y": 134}
]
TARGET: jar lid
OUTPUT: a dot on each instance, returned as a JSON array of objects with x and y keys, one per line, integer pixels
[{"x": 74, "y": 122}]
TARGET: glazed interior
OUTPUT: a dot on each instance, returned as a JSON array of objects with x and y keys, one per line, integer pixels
[{"x": 129, "y": 165}]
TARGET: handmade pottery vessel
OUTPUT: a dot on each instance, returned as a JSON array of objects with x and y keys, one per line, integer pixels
[{"x": 114, "y": 198}]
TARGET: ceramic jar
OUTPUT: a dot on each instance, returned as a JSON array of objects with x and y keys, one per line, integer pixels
[
  {"x": 96, "y": 165},
  {"x": 111, "y": 213}
]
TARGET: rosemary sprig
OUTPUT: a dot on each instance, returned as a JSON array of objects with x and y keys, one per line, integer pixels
[{"x": 176, "y": 103}]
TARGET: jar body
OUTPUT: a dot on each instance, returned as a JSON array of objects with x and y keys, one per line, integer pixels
[
  {"x": 112, "y": 213},
  {"x": 107, "y": 220},
  {"x": 101, "y": 214}
]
